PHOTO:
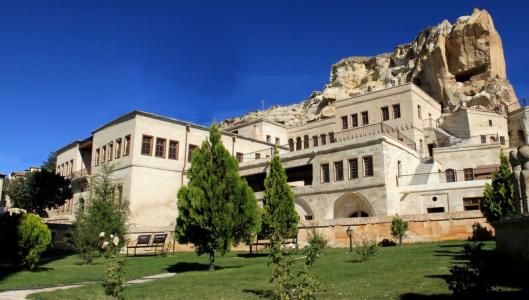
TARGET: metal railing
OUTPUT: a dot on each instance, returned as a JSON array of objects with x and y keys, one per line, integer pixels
[{"x": 448, "y": 176}]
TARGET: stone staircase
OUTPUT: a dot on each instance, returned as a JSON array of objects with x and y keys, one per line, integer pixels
[
  {"x": 446, "y": 136},
  {"x": 422, "y": 172}
]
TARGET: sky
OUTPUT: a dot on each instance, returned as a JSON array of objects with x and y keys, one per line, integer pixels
[{"x": 68, "y": 67}]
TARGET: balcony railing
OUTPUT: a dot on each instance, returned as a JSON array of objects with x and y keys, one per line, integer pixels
[
  {"x": 375, "y": 129},
  {"x": 448, "y": 176},
  {"x": 79, "y": 174}
]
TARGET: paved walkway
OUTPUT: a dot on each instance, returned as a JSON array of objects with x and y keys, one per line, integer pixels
[{"x": 22, "y": 294}]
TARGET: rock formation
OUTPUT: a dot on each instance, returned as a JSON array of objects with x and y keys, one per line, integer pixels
[{"x": 456, "y": 63}]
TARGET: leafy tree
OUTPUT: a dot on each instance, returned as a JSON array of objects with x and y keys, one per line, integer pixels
[
  {"x": 50, "y": 163},
  {"x": 278, "y": 202},
  {"x": 498, "y": 201},
  {"x": 37, "y": 191},
  {"x": 216, "y": 208},
  {"x": 34, "y": 237},
  {"x": 104, "y": 214},
  {"x": 398, "y": 228}
]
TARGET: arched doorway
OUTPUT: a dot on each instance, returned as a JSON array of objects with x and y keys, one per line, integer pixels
[
  {"x": 352, "y": 205},
  {"x": 303, "y": 209}
]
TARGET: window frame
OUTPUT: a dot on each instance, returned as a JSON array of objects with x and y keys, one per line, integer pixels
[
  {"x": 338, "y": 171},
  {"x": 354, "y": 120},
  {"x": 149, "y": 153},
  {"x": 345, "y": 122},
  {"x": 384, "y": 111},
  {"x": 369, "y": 169},
  {"x": 365, "y": 118},
  {"x": 190, "y": 149},
  {"x": 164, "y": 146},
  {"x": 118, "y": 148},
  {"x": 397, "y": 114},
  {"x": 177, "y": 148},
  {"x": 353, "y": 175},
  {"x": 325, "y": 176},
  {"x": 126, "y": 145}
]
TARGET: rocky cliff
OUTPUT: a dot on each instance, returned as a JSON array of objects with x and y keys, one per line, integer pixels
[{"x": 453, "y": 63}]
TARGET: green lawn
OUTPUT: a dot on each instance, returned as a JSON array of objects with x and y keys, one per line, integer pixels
[{"x": 394, "y": 273}]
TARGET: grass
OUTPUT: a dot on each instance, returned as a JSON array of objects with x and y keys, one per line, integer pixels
[{"x": 403, "y": 272}]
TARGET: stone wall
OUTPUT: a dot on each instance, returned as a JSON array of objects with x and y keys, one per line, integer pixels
[
  {"x": 422, "y": 228},
  {"x": 512, "y": 236}
]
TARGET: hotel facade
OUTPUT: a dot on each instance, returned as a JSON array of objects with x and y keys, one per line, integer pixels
[{"x": 385, "y": 153}]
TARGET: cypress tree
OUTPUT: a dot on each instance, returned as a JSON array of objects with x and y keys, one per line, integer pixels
[
  {"x": 280, "y": 217},
  {"x": 498, "y": 201},
  {"x": 216, "y": 208}
]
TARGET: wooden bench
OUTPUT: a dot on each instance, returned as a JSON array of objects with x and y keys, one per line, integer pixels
[
  {"x": 144, "y": 242},
  {"x": 266, "y": 242}
]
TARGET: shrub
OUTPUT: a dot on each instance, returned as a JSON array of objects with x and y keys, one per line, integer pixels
[
  {"x": 104, "y": 214},
  {"x": 366, "y": 249},
  {"x": 398, "y": 228},
  {"x": 471, "y": 278},
  {"x": 498, "y": 200},
  {"x": 34, "y": 237},
  {"x": 386, "y": 243},
  {"x": 115, "y": 270}
]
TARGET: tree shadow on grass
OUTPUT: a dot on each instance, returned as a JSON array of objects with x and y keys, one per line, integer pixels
[
  {"x": 266, "y": 294},
  {"x": 183, "y": 267},
  {"x": 503, "y": 295},
  {"x": 252, "y": 255},
  {"x": 10, "y": 267}
]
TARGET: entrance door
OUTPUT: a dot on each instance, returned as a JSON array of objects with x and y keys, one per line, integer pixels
[{"x": 430, "y": 150}]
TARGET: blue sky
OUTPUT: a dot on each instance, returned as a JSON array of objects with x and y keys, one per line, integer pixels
[{"x": 67, "y": 67}]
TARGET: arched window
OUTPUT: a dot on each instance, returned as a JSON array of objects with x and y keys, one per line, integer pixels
[
  {"x": 305, "y": 141},
  {"x": 492, "y": 139},
  {"x": 450, "y": 175},
  {"x": 291, "y": 144},
  {"x": 298, "y": 143}
]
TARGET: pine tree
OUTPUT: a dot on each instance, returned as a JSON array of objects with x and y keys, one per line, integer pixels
[
  {"x": 498, "y": 201},
  {"x": 216, "y": 208},
  {"x": 280, "y": 216}
]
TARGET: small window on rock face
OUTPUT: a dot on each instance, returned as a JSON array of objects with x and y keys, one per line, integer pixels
[{"x": 490, "y": 123}]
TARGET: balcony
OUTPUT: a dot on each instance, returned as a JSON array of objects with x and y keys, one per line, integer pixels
[
  {"x": 79, "y": 175},
  {"x": 448, "y": 176}
]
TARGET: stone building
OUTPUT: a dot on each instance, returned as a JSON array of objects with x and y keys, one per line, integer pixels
[{"x": 375, "y": 155}]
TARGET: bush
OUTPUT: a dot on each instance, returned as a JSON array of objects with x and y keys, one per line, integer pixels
[
  {"x": 104, "y": 214},
  {"x": 115, "y": 270},
  {"x": 366, "y": 249},
  {"x": 386, "y": 243},
  {"x": 34, "y": 237},
  {"x": 398, "y": 228},
  {"x": 470, "y": 279}
]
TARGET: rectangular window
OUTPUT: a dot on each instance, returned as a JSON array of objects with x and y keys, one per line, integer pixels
[
  {"x": 469, "y": 174},
  {"x": 126, "y": 150},
  {"x": 331, "y": 137},
  {"x": 344, "y": 122},
  {"x": 257, "y": 155},
  {"x": 502, "y": 140},
  {"x": 353, "y": 168},
  {"x": 419, "y": 112},
  {"x": 278, "y": 141},
  {"x": 471, "y": 203},
  {"x": 368, "y": 166},
  {"x": 354, "y": 120},
  {"x": 97, "y": 157},
  {"x": 315, "y": 140},
  {"x": 173, "y": 150},
  {"x": 396, "y": 111},
  {"x": 432, "y": 210},
  {"x": 239, "y": 156},
  {"x": 71, "y": 166},
  {"x": 146, "y": 145},
  {"x": 338, "y": 171},
  {"x": 190, "y": 152},
  {"x": 306, "y": 142},
  {"x": 110, "y": 151},
  {"x": 118, "y": 148},
  {"x": 159, "y": 151},
  {"x": 385, "y": 113},
  {"x": 268, "y": 139},
  {"x": 483, "y": 139},
  {"x": 103, "y": 154},
  {"x": 323, "y": 138},
  {"x": 325, "y": 176},
  {"x": 365, "y": 118}
]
